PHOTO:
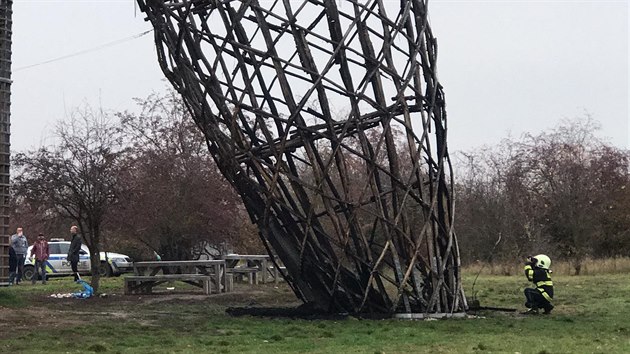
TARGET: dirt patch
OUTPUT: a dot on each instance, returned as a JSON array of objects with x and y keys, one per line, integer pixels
[
  {"x": 28, "y": 319},
  {"x": 46, "y": 312},
  {"x": 168, "y": 298}
]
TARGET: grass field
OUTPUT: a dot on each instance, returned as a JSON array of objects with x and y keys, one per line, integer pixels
[{"x": 592, "y": 315}]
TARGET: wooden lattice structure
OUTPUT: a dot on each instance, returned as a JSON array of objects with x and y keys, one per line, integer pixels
[
  {"x": 328, "y": 119},
  {"x": 6, "y": 14}
]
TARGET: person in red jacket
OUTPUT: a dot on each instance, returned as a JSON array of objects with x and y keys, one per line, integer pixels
[{"x": 40, "y": 252}]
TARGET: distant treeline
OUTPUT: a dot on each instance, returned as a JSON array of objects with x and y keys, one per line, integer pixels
[
  {"x": 562, "y": 192},
  {"x": 144, "y": 182}
]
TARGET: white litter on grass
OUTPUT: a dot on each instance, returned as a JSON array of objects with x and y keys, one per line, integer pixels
[{"x": 61, "y": 296}]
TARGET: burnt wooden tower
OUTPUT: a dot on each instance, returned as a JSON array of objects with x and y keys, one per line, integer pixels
[
  {"x": 328, "y": 119},
  {"x": 6, "y": 13}
]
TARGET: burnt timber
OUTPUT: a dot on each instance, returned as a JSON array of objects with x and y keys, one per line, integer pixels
[{"x": 328, "y": 119}]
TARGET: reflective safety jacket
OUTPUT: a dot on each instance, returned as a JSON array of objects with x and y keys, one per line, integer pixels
[{"x": 542, "y": 279}]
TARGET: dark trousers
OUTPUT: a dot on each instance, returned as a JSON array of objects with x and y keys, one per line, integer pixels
[
  {"x": 40, "y": 270},
  {"x": 535, "y": 299},
  {"x": 75, "y": 270},
  {"x": 20, "y": 267}
]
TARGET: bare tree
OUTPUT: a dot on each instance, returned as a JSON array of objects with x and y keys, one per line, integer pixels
[
  {"x": 561, "y": 181},
  {"x": 495, "y": 205},
  {"x": 175, "y": 202},
  {"x": 610, "y": 173},
  {"x": 76, "y": 176}
]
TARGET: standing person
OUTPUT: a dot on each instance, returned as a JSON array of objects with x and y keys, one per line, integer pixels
[
  {"x": 73, "y": 252},
  {"x": 12, "y": 265},
  {"x": 40, "y": 252},
  {"x": 20, "y": 246},
  {"x": 537, "y": 271}
]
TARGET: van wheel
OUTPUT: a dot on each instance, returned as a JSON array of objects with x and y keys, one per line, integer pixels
[
  {"x": 104, "y": 270},
  {"x": 29, "y": 272}
]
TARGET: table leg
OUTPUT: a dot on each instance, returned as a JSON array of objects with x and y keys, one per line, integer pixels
[
  {"x": 217, "y": 280},
  {"x": 264, "y": 271},
  {"x": 225, "y": 279}
]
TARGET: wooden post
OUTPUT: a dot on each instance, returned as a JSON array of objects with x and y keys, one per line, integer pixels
[{"x": 6, "y": 23}]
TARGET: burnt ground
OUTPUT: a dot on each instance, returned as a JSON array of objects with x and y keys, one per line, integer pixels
[{"x": 38, "y": 309}]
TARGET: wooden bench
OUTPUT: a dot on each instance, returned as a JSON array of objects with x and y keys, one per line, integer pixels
[
  {"x": 239, "y": 272},
  {"x": 143, "y": 284},
  {"x": 260, "y": 262},
  {"x": 180, "y": 269}
]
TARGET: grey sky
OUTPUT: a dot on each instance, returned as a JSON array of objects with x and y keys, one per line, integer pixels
[{"x": 507, "y": 66}]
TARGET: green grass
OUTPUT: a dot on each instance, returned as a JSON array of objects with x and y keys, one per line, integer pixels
[
  {"x": 10, "y": 299},
  {"x": 60, "y": 285},
  {"x": 591, "y": 316}
]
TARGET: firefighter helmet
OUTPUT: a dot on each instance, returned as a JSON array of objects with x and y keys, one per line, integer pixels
[{"x": 543, "y": 261}]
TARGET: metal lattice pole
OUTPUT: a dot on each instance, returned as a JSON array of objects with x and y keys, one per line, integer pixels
[
  {"x": 328, "y": 119},
  {"x": 6, "y": 12}
]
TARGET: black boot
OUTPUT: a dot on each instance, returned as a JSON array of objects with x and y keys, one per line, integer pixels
[
  {"x": 532, "y": 311},
  {"x": 548, "y": 309}
]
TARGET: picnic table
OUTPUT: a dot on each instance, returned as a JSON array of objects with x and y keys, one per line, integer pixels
[
  {"x": 257, "y": 263},
  {"x": 200, "y": 273}
]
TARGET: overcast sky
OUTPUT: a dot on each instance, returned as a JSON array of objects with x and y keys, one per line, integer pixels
[{"x": 508, "y": 67}]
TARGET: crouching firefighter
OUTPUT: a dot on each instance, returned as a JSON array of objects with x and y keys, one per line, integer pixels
[{"x": 537, "y": 271}]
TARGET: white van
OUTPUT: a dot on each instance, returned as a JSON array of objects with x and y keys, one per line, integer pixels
[{"x": 57, "y": 264}]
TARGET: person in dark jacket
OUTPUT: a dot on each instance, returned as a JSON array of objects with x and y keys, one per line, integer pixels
[
  {"x": 537, "y": 271},
  {"x": 13, "y": 263},
  {"x": 73, "y": 252}
]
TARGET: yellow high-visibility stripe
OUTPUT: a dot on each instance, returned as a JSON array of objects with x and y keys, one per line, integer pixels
[
  {"x": 545, "y": 295},
  {"x": 543, "y": 283},
  {"x": 529, "y": 272}
]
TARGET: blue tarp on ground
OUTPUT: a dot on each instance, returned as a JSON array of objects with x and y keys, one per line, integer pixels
[{"x": 87, "y": 292}]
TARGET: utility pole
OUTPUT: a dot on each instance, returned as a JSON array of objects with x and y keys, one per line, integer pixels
[{"x": 6, "y": 12}]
